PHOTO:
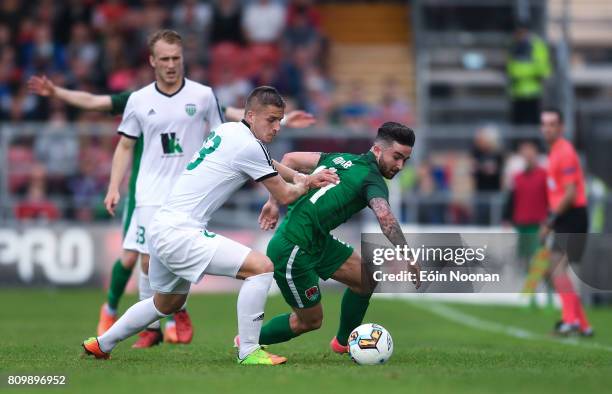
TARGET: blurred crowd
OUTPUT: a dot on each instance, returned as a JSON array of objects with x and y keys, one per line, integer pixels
[
  {"x": 232, "y": 45},
  {"x": 101, "y": 47},
  {"x": 476, "y": 186}
]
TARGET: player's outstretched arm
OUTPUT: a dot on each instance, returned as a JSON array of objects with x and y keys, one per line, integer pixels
[
  {"x": 121, "y": 159},
  {"x": 304, "y": 162},
  {"x": 392, "y": 230},
  {"x": 285, "y": 193},
  {"x": 44, "y": 87},
  {"x": 295, "y": 119}
]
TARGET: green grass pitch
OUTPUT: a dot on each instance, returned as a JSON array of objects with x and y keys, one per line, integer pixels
[{"x": 40, "y": 333}]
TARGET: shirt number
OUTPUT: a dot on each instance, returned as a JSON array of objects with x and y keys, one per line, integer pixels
[
  {"x": 210, "y": 145},
  {"x": 323, "y": 190}
]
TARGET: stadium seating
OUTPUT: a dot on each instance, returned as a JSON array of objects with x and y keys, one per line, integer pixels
[{"x": 369, "y": 43}]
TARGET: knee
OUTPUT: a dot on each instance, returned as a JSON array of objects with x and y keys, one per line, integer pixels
[
  {"x": 169, "y": 304},
  {"x": 167, "y": 309},
  {"x": 268, "y": 266},
  {"x": 265, "y": 266}
]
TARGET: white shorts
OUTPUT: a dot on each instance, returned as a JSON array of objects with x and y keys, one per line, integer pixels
[
  {"x": 181, "y": 255},
  {"x": 137, "y": 235},
  {"x": 130, "y": 236}
]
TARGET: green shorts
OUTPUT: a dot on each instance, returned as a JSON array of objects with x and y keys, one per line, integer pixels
[{"x": 297, "y": 273}]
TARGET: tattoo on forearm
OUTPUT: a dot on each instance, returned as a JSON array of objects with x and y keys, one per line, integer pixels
[{"x": 388, "y": 224}]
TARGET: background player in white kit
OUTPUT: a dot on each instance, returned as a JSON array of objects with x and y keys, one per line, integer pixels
[
  {"x": 184, "y": 250},
  {"x": 173, "y": 115}
]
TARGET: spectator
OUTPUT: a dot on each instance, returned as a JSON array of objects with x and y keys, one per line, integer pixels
[
  {"x": 527, "y": 205},
  {"x": 151, "y": 18},
  {"x": 6, "y": 37},
  {"x": 226, "y": 23},
  {"x": 528, "y": 66},
  {"x": 194, "y": 49},
  {"x": 356, "y": 111},
  {"x": 82, "y": 48},
  {"x": 487, "y": 171},
  {"x": 108, "y": 16},
  {"x": 87, "y": 191},
  {"x": 192, "y": 16},
  {"x": 232, "y": 89},
  {"x": 429, "y": 184},
  {"x": 263, "y": 21},
  {"x": 304, "y": 8},
  {"x": 11, "y": 15},
  {"x": 40, "y": 53},
  {"x": 291, "y": 75},
  {"x": 68, "y": 14},
  {"x": 57, "y": 148},
  {"x": 393, "y": 107},
  {"x": 319, "y": 94},
  {"x": 301, "y": 32},
  {"x": 36, "y": 205},
  {"x": 17, "y": 105}
]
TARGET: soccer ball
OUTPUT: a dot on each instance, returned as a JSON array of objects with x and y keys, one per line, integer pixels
[{"x": 370, "y": 344}]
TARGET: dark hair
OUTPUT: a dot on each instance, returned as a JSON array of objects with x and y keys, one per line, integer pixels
[
  {"x": 391, "y": 132},
  {"x": 263, "y": 96},
  {"x": 169, "y": 36},
  {"x": 556, "y": 111}
]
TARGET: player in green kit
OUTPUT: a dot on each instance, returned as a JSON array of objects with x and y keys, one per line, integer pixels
[{"x": 303, "y": 250}]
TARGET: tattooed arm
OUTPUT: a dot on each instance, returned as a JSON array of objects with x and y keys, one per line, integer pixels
[{"x": 392, "y": 230}]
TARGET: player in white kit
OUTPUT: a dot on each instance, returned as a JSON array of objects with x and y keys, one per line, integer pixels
[
  {"x": 173, "y": 115},
  {"x": 184, "y": 250}
]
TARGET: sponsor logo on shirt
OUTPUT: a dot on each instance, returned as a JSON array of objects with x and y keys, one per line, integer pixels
[
  {"x": 343, "y": 162},
  {"x": 170, "y": 144}
]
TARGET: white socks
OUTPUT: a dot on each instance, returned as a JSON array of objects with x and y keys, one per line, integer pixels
[
  {"x": 251, "y": 303},
  {"x": 134, "y": 320},
  {"x": 144, "y": 292}
]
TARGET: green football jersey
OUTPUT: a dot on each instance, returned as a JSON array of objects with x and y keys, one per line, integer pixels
[{"x": 310, "y": 219}]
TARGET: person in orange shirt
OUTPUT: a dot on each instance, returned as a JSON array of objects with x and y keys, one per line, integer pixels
[{"x": 567, "y": 220}]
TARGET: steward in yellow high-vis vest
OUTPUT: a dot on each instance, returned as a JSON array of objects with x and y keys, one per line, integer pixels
[{"x": 528, "y": 66}]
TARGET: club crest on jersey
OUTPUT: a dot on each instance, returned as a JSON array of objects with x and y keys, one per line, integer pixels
[
  {"x": 312, "y": 293},
  {"x": 190, "y": 109}
]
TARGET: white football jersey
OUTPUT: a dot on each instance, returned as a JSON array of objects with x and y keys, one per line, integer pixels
[
  {"x": 173, "y": 128},
  {"x": 230, "y": 156}
]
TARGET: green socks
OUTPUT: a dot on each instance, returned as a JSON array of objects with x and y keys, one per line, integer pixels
[
  {"x": 119, "y": 279},
  {"x": 353, "y": 309},
  {"x": 276, "y": 330}
]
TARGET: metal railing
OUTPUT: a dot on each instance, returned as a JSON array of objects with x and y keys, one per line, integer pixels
[{"x": 441, "y": 206}]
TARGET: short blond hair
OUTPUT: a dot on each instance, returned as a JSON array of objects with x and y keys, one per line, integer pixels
[{"x": 166, "y": 35}]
